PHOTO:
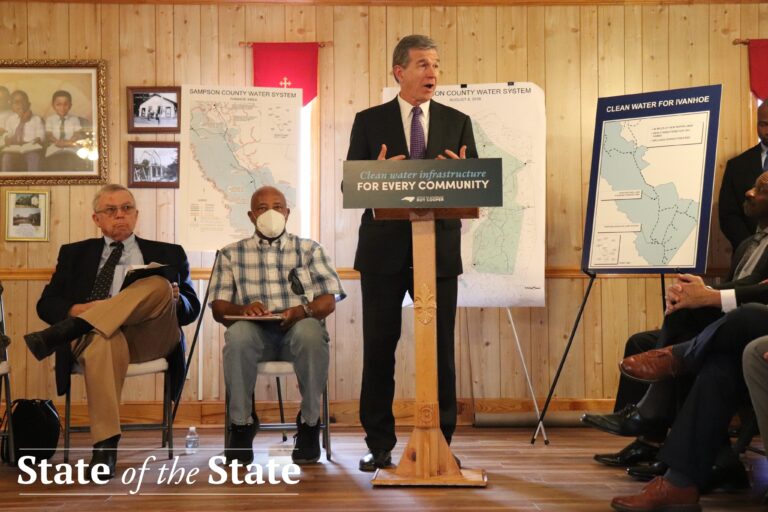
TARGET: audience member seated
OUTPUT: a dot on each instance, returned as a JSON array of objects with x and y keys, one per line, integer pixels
[
  {"x": 103, "y": 327},
  {"x": 274, "y": 274},
  {"x": 696, "y": 452}
]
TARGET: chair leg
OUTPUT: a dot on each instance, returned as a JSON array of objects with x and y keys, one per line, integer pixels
[
  {"x": 167, "y": 414},
  {"x": 226, "y": 419},
  {"x": 326, "y": 425},
  {"x": 67, "y": 423},
  {"x": 11, "y": 447},
  {"x": 280, "y": 404}
]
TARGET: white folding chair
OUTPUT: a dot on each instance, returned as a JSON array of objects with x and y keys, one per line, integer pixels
[
  {"x": 134, "y": 370},
  {"x": 278, "y": 369}
]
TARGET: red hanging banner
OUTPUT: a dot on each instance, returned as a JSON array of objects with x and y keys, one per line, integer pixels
[
  {"x": 288, "y": 65},
  {"x": 758, "y": 67}
]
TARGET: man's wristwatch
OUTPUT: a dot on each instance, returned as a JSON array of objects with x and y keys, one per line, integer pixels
[{"x": 307, "y": 310}]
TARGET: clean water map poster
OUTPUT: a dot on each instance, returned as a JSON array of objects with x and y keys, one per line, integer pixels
[
  {"x": 504, "y": 250},
  {"x": 233, "y": 141},
  {"x": 650, "y": 191}
]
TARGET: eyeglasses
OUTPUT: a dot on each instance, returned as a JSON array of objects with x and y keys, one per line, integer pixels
[{"x": 111, "y": 211}]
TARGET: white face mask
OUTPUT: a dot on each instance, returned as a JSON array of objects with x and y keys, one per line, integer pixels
[{"x": 271, "y": 224}]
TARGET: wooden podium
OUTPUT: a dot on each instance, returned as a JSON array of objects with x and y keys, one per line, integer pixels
[{"x": 427, "y": 459}]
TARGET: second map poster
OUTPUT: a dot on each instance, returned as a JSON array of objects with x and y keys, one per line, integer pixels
[{"x": 650, "y": 190}]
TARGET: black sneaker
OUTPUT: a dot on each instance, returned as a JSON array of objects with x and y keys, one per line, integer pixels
[
  {"x": 306, "y": 442},
  {"x": 241, "y": 442}
]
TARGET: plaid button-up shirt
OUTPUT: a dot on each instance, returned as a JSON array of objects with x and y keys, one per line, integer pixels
[{"x": 252, "y": 270}]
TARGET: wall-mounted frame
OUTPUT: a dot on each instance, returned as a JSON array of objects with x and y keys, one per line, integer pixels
[
  {"x": 153, "y": 164},
  {"x": 53, "y": 122},
  {"x": 27, "y": 215},
  {"x": 154, "y": 109}
]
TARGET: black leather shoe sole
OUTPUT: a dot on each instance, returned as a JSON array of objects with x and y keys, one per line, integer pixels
[
  {"x": 627, "y": 425},
  {"x": 36, "y": 344},
  {"x": 373, "y": 461},
  {"x": 732, "y": 478}
]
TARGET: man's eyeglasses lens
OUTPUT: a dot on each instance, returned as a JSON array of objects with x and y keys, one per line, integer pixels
[{"x": 111, "y": 211}]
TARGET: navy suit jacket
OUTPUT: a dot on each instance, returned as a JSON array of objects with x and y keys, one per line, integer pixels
[
  {"x": 73, "y": 281},
  {"x": 739, "y": 176},
  {"x": 384, "y": 246}
]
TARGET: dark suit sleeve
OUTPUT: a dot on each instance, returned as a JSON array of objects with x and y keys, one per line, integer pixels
[
  {"x": 753, "y": 293},
  {"x": 55, "y": 302},
  {"x": 358, "y": 140},
  {"x": 468, "y": 138},
  {"x": 732, "y": 220},
  {"x": 188, "y": 307}
]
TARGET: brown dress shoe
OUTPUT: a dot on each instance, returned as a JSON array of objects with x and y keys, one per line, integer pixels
[
  {"x": 652, "y": 366},
  {"x": 660, "y": 496}
]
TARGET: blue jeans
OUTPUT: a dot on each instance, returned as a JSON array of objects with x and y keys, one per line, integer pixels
[{"x": 247, "y": 343}]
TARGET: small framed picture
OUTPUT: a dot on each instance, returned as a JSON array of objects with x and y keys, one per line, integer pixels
[
  {"x": 153, "y": 109},
  {"x": 153, "y": 164},
  {"x": 27, "y": 215}
]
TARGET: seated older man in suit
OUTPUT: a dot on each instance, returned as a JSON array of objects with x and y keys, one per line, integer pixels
[{"x": 104, "y": 327}]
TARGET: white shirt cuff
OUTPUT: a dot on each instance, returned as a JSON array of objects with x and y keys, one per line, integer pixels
[{"x": 728, "y": 300}]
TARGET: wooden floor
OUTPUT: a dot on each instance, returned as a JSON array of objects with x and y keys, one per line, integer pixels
[{"x": 561, "y": 476}]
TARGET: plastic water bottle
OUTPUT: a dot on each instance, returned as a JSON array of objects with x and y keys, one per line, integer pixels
[{"x": 193, "y": 441}]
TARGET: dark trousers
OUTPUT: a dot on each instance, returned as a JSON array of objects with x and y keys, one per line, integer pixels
[
  {"x": 382, "y": 310},
  {"x": 701, "y": 426}
]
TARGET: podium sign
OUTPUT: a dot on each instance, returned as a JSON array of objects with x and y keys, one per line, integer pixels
[{"x": 422, "y": 183}]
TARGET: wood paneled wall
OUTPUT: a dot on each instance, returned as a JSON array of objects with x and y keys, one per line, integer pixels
[{"x": 575, "y": 53}]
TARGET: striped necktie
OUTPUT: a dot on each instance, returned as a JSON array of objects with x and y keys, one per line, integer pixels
[{"x": 418, "y": 143}]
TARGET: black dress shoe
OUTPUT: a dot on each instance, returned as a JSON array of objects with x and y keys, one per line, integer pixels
[
  {"x": 374, "y": 460},
  {"x": 626, "y": 422},
  {"x": 730, "y": 478},
  {"x": 241, "y": 443},
  {"x": 104, "y": 452},
  {"x": 647, "y": 472},
  {"x": 635, "y": 453},
  {"x": 44, "y": 343}
]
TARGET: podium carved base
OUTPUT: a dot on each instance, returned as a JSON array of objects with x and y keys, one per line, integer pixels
[{"x": 428, "y": 461}]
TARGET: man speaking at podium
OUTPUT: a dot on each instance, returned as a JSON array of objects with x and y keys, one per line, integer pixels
[{"x": 415, "y": 127}]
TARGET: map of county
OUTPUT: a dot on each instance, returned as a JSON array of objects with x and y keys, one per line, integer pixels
[
  {"x": 233, "y": 142},
  {"x": 646, "y": 214},
  {"x": 503, "y": 251}
]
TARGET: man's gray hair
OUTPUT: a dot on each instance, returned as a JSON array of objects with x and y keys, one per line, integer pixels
[
  {"x": 109, "y": 189},
  {"x": 401, "y": 54}
]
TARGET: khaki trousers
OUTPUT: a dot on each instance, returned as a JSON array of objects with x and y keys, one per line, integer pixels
[{"x": 137, "y": 325}]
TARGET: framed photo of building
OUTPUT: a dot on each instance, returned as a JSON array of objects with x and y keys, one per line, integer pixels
[
  {"x": 27, "y": 215},
  {"x": 153, "y": 164},
  {"x": 53, "y": 122},
  {"x": 153, "y": 109}
]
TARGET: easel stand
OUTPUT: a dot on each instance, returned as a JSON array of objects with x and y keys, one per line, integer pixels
[
  {"x": 540, "y": 425},
  {"x": 427, "y": 459}
]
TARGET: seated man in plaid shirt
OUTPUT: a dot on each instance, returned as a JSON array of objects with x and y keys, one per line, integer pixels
[{"x": 287, "y": 285}]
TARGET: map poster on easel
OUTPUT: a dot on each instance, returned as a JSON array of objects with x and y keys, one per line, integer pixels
[{"x": 650, "y": 189}]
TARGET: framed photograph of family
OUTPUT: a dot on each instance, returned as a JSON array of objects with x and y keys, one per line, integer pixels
[
  {"x": 53, "y": 122},
  {"x": 153, "y": 164},
  {"x": 27, "y": 215},
  {"x": 153, "y": 109}
]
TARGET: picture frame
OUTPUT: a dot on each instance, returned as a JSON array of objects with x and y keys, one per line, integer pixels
[
  {"x": 154, "y": 109},
  {"x": 53, "y": 122},
  {"x": 27, "y": 215},
  {"x": 153, "y": 164}
]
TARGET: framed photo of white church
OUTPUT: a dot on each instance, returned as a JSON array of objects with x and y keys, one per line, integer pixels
[{"x": 153, "y": 109}]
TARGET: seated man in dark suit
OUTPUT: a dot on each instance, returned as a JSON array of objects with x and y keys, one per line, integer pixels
[
  {"x": 105, "y": 328},
  {"x": 740, "y": 172},
  {"x": 697, "y": 453},
  {"x": 691, "y": 308}
]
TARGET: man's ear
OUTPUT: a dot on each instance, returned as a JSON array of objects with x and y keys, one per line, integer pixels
[
  {"x": 397, "y": 72},
  {"x": 287, "y": 213},
  {"x": 251, "y": 217}
]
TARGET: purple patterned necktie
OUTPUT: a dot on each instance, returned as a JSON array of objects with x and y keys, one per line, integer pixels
[{"x": 418, "y": 144}]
